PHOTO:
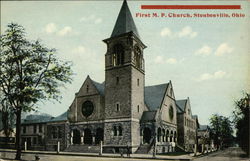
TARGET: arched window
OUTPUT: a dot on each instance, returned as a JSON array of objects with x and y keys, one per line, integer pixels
[
  {"x": 171, "y": 136},
  {"x": 87, "y": 88},
  {"x": 118, "y": 55},
  {"x": 138, "y": 57},
  {"x": 119, "y": 130},
  {"x": 167, "y": 136},
  {"x": 175, "y": 136},
  {"x": 115, "y": 131},
  {"x": 171, "y": 112},
  {"x": 158, "y": 134},
  {"x": 163, "y": 135}
]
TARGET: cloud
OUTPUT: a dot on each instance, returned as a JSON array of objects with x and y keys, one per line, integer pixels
[
  {"x": 50, "y": 28},
  {"x": 81, "y": 53},
  {"x": 171, "y": 61},
  {"x": 91, "y": 18},
  {"x": 79, "y": 50},
  {"x": 223, "y": 49},
  {"x": 161, "y": 60},
  {"x": 97, "y": 21},
  {"x": 166, "y": 32},
  {"x": 205, "y": 50},
  {"x": 65, "y": 31},
  {"x": 207, "y": 76},
  {"x": 187, "y": 32}
]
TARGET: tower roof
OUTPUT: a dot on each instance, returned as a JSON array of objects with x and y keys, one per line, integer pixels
[{"x": 124, "y": 22}]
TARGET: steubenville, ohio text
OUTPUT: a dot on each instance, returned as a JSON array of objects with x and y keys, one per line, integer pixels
[{"x": 184, "y": 15}]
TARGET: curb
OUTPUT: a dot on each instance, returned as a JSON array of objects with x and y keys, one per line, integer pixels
[{"x": 96, "y": 155}]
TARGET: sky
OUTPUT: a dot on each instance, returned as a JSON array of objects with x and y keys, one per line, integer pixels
[{"x": 206, "y": 59}]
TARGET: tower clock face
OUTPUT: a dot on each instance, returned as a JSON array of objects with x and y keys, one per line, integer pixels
[{"x": 87, "y": 108}]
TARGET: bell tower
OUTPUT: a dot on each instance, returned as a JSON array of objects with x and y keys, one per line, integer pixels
[{"x": 124, "y": 82}]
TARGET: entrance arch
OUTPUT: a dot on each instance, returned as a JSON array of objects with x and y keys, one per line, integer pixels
[
  {"x": 88, "y": 136},
  {"x": 99, "y": 135},
  {"x": 146, "y": 135},
  {"x": 76, "y": 136}
]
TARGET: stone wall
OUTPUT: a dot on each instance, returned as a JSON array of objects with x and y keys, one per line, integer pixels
[
  {"x": 137, "y": 93},
  {"x": 111, "y": 139},
  {"x": 118, "y": 94},
  {"x": 61, "y": 136},
  {"x": 180, "y": 127}
]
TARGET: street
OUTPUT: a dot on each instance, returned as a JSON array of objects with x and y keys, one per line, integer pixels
[
  {"x": 230, "y": 154},
  {"x": 6, "y": 156}
]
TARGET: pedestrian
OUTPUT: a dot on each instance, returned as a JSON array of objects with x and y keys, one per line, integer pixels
[{"x": 128, "y": 151}]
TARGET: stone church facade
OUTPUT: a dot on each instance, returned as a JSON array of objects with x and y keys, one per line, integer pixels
[{"x": 121, "y": 112}]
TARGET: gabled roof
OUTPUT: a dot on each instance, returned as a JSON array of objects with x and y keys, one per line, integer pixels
[
  {"x": 124, "y": 22},
  {"x": 154, "y": 95},
  {"x": 181, "y": 104},
  {"x": 179, "y": 110},
  {"x": 62, "y": 117},
  {"x": 148, "y": 116},
  {"x": 203, "y": 128},
  {"x": 99, "y": 86},
  {"x": 37, "y": 118}
]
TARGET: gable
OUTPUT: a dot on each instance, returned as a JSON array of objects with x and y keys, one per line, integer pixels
[
  {"x": 168, "y": 110},
  {"x": 188, "y": 108},
  {"x": 90, "y": 87},
  {"x": 170, "y": 90}
]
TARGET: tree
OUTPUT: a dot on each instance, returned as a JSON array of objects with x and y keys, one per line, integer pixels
[
  {"x": 221, "y": 130},
  {"x": 241, "y": 121},
  {"x": 29, "y": 73}
]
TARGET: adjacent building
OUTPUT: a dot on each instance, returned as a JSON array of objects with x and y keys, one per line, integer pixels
[
  {"x": 34, "y": 131},
  {"x": 204, "y": 139},
  {"x": 187, "y": 125}
]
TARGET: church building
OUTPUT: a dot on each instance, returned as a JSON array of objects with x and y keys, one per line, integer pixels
[{"x": 121, "y": 112}]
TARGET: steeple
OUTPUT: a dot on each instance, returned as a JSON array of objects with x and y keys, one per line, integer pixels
[{"x": 124, "y": 22}]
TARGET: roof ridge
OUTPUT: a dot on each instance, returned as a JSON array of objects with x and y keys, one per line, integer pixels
[
  {"x": 157, "y": 85},
  {"x": 182, "y": 100}
]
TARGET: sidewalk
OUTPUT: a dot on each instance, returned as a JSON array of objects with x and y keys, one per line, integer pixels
[{"x": 186, "y": 157}]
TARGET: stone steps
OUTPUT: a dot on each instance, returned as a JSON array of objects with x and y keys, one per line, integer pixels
[{"x": 144, "y": 149}]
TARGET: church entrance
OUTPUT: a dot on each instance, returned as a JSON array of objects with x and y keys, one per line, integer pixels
[
  {"x": 76, "y": 136},
  {"x": 87, "y": 136},
  {"x": 146, "y": 135},
  {"x": 99, "y": 135}
]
